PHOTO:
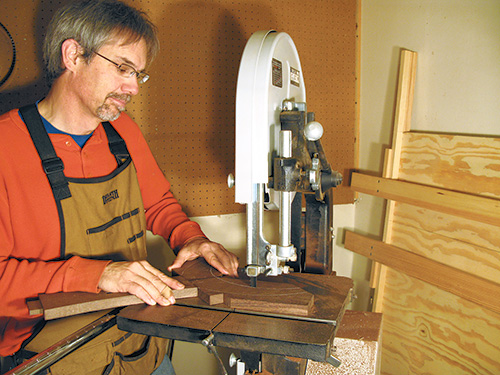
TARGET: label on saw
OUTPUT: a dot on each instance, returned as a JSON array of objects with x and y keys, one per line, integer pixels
[
  {"x": 294, "y": 77},
  {"x": 277, "y": 73}
]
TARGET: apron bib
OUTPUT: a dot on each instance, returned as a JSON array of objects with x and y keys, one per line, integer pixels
[{"x": 100, "y": 218}]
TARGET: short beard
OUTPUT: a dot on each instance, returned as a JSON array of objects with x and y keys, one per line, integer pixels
[{"x": 110, "y": 112}]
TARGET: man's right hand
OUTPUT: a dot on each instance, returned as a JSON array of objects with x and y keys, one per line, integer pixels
[{"x": 140, "y": 279}]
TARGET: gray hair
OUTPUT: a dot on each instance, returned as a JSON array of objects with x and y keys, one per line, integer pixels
[{"x": 92, "y": 23}]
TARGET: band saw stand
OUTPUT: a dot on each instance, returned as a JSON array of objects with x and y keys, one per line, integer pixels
[{"x": 280, "y": 164}]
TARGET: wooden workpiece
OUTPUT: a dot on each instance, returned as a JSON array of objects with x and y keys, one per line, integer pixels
[
  {"x": 269, "y": 296},
  {"x": 276, "y": 295},
  {"x": 60, "y": 305},
  {"x": 292, "y": 294},
  {"x": 273, "y": 294}
]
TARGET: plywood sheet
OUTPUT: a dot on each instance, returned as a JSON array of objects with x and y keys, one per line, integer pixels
[
  {"x": 426, "y": 329},
  {"x": 429, "y": 331},
  {"x": 464, "y": 163},
  {"x": 187, "y": 109},
  {"x": 465, "y": 244}
]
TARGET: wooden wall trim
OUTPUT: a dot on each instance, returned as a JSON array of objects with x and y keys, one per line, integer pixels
[
  {"x": 463, "y": 284},
  {"x": 469, "y": 206}
]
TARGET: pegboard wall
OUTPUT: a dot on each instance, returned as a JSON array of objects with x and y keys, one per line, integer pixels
[{"x": 187, "y": 109}]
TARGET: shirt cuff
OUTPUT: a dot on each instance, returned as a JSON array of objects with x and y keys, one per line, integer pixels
[{"x": 83, "y": 275}]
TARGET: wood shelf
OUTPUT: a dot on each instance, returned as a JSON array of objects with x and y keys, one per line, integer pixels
[
  {"x": 463, "y": 284},
  {"x": 469, "y": 206}
]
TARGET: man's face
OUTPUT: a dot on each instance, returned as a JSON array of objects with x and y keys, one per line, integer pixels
[{"x": 104, "y": 90}]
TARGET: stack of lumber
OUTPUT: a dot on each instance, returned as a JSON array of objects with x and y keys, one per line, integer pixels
[{"x": 437, "y": 272}]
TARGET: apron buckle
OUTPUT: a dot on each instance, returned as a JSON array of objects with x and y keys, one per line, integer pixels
[{"x": 53, "y": 165}]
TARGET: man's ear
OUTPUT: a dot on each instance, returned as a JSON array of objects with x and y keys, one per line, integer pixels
[{"x": 70, "y": 52}]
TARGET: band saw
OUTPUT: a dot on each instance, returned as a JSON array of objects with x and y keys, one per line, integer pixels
[
  {"x": 279, "y": 156},
  {"x": 280, "y": 165},
  {"x": 286, "y": 302}
]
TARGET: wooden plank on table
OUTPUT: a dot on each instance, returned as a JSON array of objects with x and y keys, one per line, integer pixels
[
  {"x": 59, "y": 305},
  {"x": 269, "y": 296},
  {"x": 480, "y": 208},
  {"x": 463, "y": 284},
  {"x": 276, "y": 296},
  {"x": 34, "y": 306}
]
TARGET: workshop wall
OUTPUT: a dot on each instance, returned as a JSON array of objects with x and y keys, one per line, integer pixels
[{"x": 186, "y": 111}]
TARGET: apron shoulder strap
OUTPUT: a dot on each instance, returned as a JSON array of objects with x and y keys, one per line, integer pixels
[
  {"x": 51, "y": 163},
  {"x": 116, "y": 143}
]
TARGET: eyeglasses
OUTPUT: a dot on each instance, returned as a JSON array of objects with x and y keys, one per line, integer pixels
[{"x": 127, "y": 71}]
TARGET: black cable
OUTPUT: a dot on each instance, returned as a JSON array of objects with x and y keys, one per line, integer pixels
[{"x": 11, "y": 69}]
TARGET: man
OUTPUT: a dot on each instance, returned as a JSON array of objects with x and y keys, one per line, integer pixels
[{"x": 74, "y": 206}]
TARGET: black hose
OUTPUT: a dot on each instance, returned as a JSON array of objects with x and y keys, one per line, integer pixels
[{"x": 11, "y": 69}]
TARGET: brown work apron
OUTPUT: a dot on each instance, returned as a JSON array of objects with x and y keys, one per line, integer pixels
[{"x": 100, "y": 218}]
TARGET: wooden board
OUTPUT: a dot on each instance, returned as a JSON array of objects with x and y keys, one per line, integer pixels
[
  {"x": 268, "y": 296},
  {"x": 402, "y": 123},
  {"x": 461, "y": 283},
  {"x": 59, "y": 305},
  {"x": 272, "y": 294},
  {"x": 427, "y": 330},
  {"x": 479, "y": 208}
]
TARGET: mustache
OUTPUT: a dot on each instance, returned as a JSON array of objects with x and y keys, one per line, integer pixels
[{"x": 124, "y": 97}]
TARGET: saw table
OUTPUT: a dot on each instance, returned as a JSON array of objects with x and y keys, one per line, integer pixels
[{"x": 251, "y": 329}]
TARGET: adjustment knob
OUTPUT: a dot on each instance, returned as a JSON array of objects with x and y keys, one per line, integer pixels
[
  {"x": 230, "y": 180},
  {"x": 313, "y": 131}
]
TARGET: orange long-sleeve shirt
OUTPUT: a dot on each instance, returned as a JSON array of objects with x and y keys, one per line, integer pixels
[{"x": 29, "y": 223}]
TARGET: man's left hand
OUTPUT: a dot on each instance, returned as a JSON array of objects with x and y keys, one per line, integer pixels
[{"x": 215, "y": 254}]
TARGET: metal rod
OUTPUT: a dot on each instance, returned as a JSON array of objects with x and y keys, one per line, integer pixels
[
  {"x": 252, "y": 228},
  {"x": 286, "y": 196},
  {"x": 51, "y": 355}
]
